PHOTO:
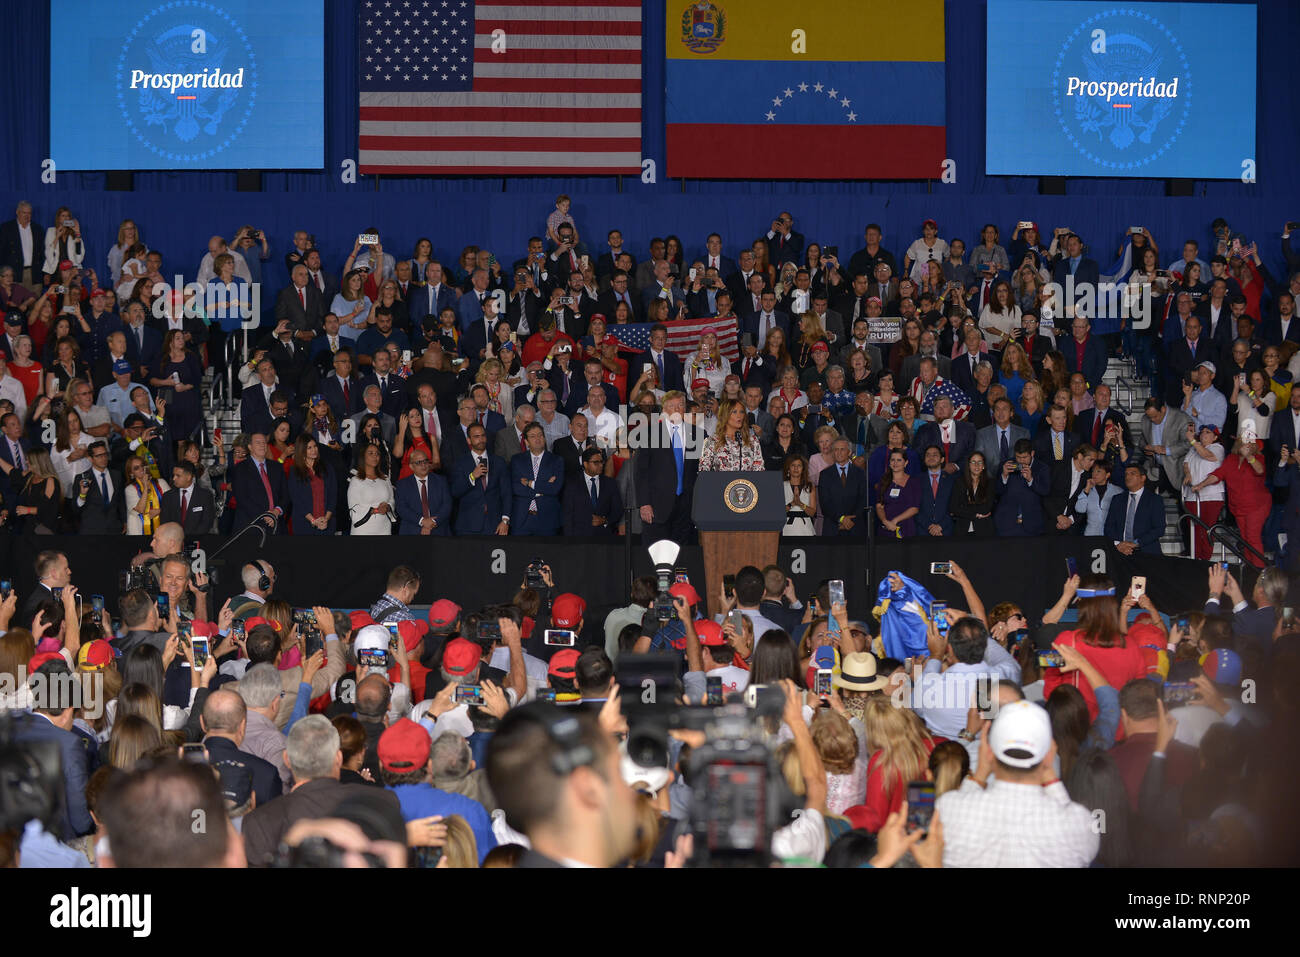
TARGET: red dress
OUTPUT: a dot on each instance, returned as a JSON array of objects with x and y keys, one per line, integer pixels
[{"x": 1119, "y": 665}]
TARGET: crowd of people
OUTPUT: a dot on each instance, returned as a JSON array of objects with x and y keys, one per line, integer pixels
[
  {"x": 506, "y": 736},
  {"x": 412, "y": 395}
]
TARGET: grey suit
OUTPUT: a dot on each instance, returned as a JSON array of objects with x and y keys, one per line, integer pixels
[
  {"x": 1173, "y": 438},
  {"x": 506, "y": 444},
  {"x": 387, "y": 425},
  {"x": 988, "y": 443}
]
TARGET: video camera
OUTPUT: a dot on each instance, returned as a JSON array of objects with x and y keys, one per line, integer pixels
[
  {"x": 664, "y": 555},
  {"x": 740, "y": 794},
  {"x": 31, "y": 779}
]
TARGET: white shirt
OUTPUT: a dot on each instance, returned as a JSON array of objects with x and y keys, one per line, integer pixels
[
  {"x": 12, "y": 389},
  {"x": 733, "y": 678},
  {"x": 804, "y": 837},
  {"x": 762, "y": 624},
  {"x": 1015, "y": 825},
  {"x": 1199, "y": 469},
  {"x": 603, "y": 427},
  {"x": 25, "y": 239}
]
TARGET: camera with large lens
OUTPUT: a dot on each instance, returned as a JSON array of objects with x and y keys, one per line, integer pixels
[
  {"x": 31, "y": 777},
  {"x": 533, "y": 575}
]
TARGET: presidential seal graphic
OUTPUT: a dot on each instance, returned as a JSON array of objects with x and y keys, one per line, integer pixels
[
  {"x": 703, "y": 27},
  {"x": 740, "y": 496},
  {"x": 1122, "y": 89},
  {"x": 187, "y": 80}
]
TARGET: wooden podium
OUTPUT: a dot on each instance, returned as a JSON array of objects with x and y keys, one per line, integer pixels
[{"x": 740, "y": 516}]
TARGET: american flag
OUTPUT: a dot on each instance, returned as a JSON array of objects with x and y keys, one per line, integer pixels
[
  {"x": 683, "y": 336},
  {"x": 534, "y": 86},
  {"x": 941, "y": 387}
]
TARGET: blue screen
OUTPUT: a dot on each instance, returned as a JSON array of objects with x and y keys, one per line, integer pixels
[
  {"x": 1110, "y": 89},
  {"x": 186, "y": 84}
]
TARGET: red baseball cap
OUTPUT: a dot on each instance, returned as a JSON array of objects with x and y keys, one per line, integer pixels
[
  {"x": 460, "y": 657},
  {"x": 710, "y": 633},
  {"x": 404, "y": 746},
  {"x": 564, "y": 663},
  {"x": 65, "y": 264},
  {"x": 411, "y": 632},
  {"x": 820, "y": 346},
  {"x": 567, "y": 610},
  {"x": 256, "y": 620},
  {"x": 685, "y": 590},
  {"x": 205, "y": 629},
  {"x": 699, "y": 384},
  {"x": 99, "y": 292},
  {"x": 443, "y": 613},
  {"x": 94, "y": 655},
  {"x": 43, "y": 658},
  {"x": 930, "y": 222},
  {"x": 360, "y": 618}
]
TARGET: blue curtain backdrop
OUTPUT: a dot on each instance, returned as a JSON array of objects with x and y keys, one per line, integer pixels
[{"x": 177, "y": 211}]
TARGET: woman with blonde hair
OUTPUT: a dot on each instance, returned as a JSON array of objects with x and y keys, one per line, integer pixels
[
  {"x": 900, "y": 752},
  {"x": 843, "y": 756},
  {"x": 811, "y": 332},
  {"x": 127, "y": 236},
  {"x": 949, "y": 764},
  {"x": 786, "y": 282},
  {"x": 733, "y": 447},
  {"x": 708, "y": 363},
  {"x": 500, "y": 397},
  {"x": 143, "y": 497},
  {"x": 1031, "y": 406},
  {"x": 460, "y": 849},
  {"x": 40, "y": 496}
]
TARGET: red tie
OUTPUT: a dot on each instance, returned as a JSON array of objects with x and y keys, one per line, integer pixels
[
  {"x": 266, "y": 484},
  {"x": 746, "y": 372},
  {"x": 482, "y": 419},
  {"x": 424, "y": 496},
  {"x": 302, "y": 295},
  {"x": 523, "y": 446},
  {"x": 347, "y": 395},
  {"x": 430, "y": 427},
  {"x": 185, "y": 503},
  {"x": 1096, "y": 427},
  {"x": 946, "y": 458},
  {"x": 934, "y": 485}
]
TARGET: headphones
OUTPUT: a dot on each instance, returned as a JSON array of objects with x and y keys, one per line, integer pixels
[{"x": 264, "y": 582}]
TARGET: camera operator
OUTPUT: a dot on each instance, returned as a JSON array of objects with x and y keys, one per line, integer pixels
[
  {"x": 142, "y": 623},
  {"x": 556, "y": 774}
]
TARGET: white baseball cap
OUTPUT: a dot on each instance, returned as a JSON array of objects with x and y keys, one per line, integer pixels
[
  {"x": 654, "y": 779},
  {"x": 371, "y": 638},
  {"x": 1021, "y": 734}
]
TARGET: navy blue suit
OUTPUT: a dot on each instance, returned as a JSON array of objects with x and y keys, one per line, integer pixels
[
  {"x": 250, "y": 495},
  {"x": 1289, "y": 479},
  {"x": 578, "y": 509},
  {"x": 1087, "y": 273},
  {"x": 749, "y": 323},
  {"x": 253, "y": 405},
  {"x": 423, "y": 302},
  {"x": 333, "y": 392},
  {"x": 934, "y": 508},
  {"x": 672, "y": 377},
  {"x": 74, "y": 758},
  {"x": 578, "y": 398},
  {"x": 961, "y": 372},
  {"x": 479, "y": 509},
  {"x": 468, "y": 310},
  {"x": 1083, "y": 424},
  {"x": 300, "y": 502},
  {"x": 410, "y": 510},
  {"x": 545, "y": 491},
  {"x": 963, "y": 444},
  {"x": 1148, "y": 522},
  {"x": 1016, "y": 498},
  {"x": 395, "y": 398},
  {"x": 1094, "y": 358},
  {"x": 836, "y": 500},
  {"x": 147, "y": 355}
]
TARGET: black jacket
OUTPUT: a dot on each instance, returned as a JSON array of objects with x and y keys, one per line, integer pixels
[
  {"x": 266, "y": 777},
  {"x": 265, "y": 826}
]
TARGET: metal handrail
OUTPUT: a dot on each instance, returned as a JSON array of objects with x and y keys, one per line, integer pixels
[{"x": 1225, "y": 535}]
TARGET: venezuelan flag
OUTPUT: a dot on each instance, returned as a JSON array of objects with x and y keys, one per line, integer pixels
[{"x": 824, "y": 89}]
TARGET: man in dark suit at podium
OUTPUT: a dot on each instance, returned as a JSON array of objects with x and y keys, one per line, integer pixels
[
  {"x": 842, "y": 492},
  {"x": 665, "y": 477},
  {"x": 592, "y": 505}
]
